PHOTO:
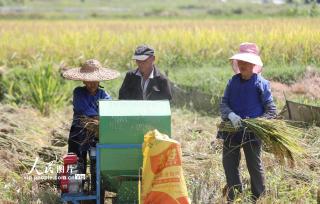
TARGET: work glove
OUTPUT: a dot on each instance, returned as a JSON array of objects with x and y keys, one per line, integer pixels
[{"x": 235, "y": 120}]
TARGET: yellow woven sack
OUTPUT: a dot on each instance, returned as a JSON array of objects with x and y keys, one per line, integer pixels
[{"x": 162, "y": 176}]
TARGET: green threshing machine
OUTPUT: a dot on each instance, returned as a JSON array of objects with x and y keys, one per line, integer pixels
[{"x": 122, "y": 127}]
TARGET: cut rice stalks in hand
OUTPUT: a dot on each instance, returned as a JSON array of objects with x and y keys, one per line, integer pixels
[
  {"x": 91, "y": 125},
  {"x": 278, "y": 136}
]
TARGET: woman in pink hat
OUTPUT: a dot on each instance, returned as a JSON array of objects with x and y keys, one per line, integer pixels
[{"x": 247, "y": 95}]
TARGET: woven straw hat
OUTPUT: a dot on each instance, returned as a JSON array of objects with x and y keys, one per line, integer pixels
[{"x": 91, "y": 70}]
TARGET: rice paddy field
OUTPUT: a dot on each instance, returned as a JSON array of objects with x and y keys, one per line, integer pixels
[
  {"x": 185, "y": 49},
  {"x": 177, "y": 42},
  {"x": 194, "y": 54}
]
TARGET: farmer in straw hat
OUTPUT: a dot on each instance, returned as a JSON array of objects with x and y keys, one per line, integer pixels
[
  {"x": 146, "y": 82},
  {"x": 85, "y": 103},
  {"x": 247, "y": 95}
]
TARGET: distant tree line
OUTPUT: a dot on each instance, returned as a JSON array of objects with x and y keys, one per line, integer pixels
[{"x": 305, "y": 1}]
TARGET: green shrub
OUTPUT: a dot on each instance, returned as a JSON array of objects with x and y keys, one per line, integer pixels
[
  {"x": 41, "y": 87},
  {"x": 284, "y": 74}
]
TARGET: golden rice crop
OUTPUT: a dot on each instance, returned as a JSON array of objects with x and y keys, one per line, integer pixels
[{"x": 177, "y": 42}]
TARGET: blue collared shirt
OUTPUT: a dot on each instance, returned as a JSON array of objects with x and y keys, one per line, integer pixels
[{"x": 86, "y": 104}]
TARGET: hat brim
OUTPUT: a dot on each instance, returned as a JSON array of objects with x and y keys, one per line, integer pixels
[
  {"x": 140, "y": 57},
  {"x": 101, "y": 74},
  {"x": 248, "y": 57}
]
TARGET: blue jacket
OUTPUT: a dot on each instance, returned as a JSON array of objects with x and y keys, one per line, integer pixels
[
  {"x": 247, "y": 98},
  {"x": 84, "y": 104}
]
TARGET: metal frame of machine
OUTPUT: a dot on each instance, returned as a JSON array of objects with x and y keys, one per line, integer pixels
[
  {"x": 75, "y": 198},
  {"x": 108, "y": 146}
]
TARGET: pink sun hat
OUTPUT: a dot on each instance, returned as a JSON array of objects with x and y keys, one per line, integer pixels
[{"x": 248, "y": 52}]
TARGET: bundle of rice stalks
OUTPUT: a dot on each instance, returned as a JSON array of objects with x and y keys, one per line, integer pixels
[
  {"x": 91, "y": 125},
  {"x": 279, "y": 137}
]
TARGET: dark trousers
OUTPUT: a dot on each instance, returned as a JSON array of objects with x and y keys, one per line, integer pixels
[
  {"x": 231, "y": 159},
  {"x": 82, "y": 155}
]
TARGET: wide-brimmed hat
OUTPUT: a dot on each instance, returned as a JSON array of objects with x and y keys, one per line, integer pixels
[
  {"x": 143, "y": 52},
  {"x": 91, "y": 70},
  {"x": 248, "y": 52}
]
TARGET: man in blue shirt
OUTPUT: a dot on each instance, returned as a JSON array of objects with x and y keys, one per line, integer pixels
[
  {"x": 247, "y": 95},
  {"x": 85, "y": 104}
]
